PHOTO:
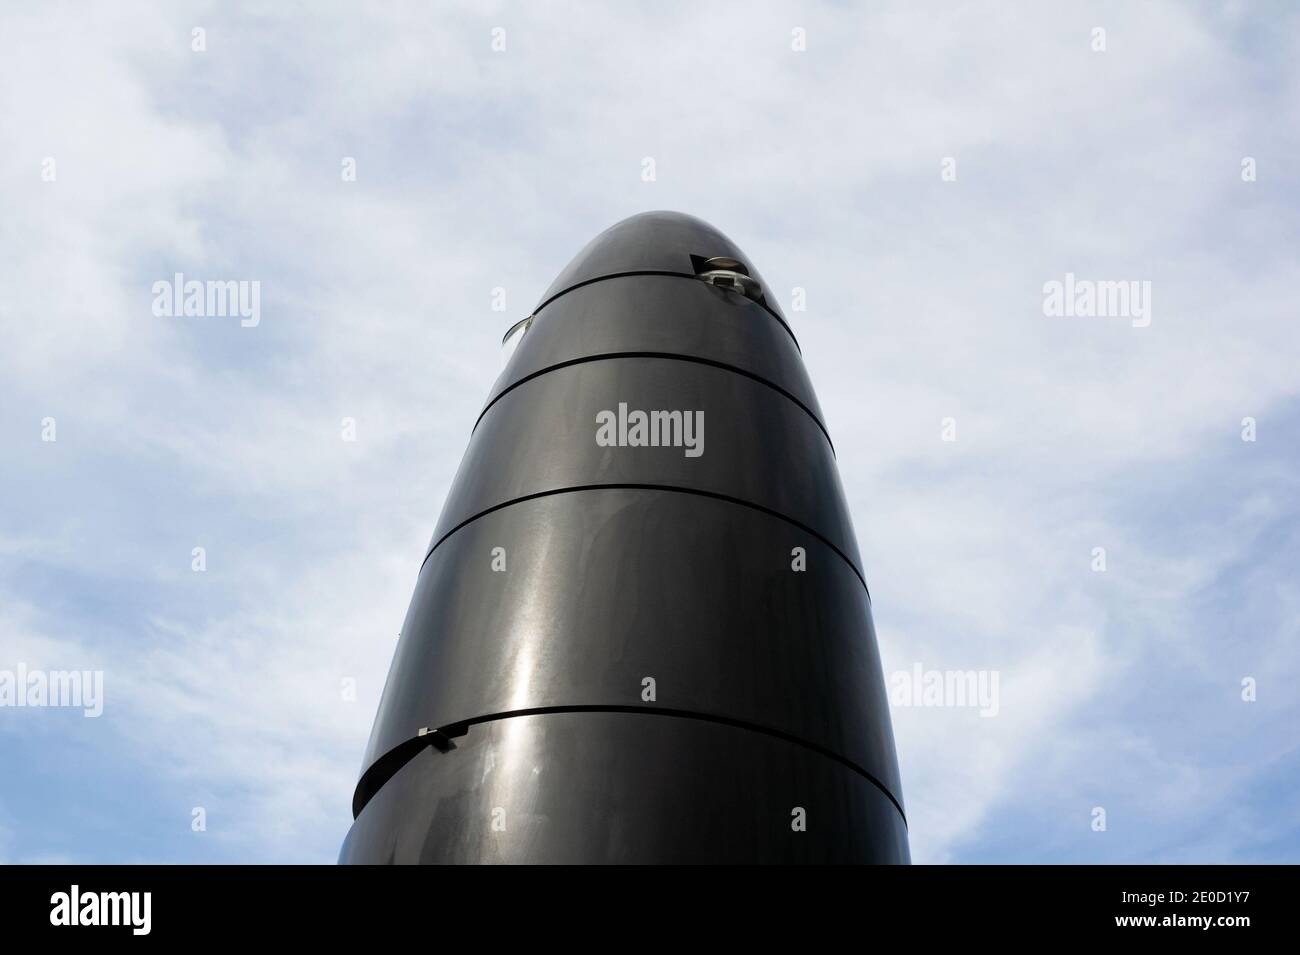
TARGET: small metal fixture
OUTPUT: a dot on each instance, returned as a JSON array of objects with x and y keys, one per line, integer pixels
[
  {"x": 726, "y": 272},
  {"x": 510, "y": 341}
]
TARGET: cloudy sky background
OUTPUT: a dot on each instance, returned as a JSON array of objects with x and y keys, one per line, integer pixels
[{"x": 478, "y": 169}]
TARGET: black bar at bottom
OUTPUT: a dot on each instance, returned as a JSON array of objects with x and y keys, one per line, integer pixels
[{"x": 912, "y": 905}]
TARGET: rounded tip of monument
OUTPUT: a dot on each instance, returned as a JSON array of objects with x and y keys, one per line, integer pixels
[{"x": 662, "y": 241}]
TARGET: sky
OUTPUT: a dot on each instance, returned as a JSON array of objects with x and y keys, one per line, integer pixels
[{"x": 920, "y": 171}]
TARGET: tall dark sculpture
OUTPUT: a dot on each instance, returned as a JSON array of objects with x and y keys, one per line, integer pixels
[{"x": 642, "y": 631}]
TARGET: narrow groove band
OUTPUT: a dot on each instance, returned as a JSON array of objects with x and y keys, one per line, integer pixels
[
  {"x": 388, "y": 765},
  {"x": 653, "y": 487},
  {"x": 667, "y": 356},
  {"x": 680, "y": 275}
]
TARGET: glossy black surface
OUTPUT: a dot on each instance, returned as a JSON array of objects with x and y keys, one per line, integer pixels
[
  {"x": 653, "y": 242},
  {"x": 663, "y": 314},
  {"x": 603, "y": 588},
  {"x": 759, "y": 446},
  {"x": 624, "y": 788},
  {"x": 563, "y": 573}
]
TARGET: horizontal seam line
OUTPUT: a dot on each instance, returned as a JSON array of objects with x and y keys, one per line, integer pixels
[
  {"x": 461, "y": 727},
  {"x": 668, "y": 356},
  {"x": 668, "y": 272},
  {"x": 652, "y": 487}
]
